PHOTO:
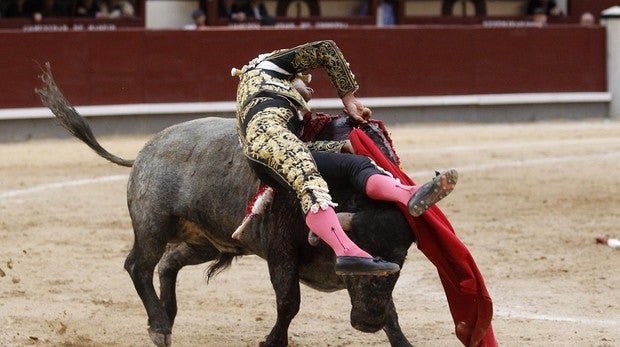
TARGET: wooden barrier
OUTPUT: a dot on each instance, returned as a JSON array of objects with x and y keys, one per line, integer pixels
[{"x": 129, "y": 66}]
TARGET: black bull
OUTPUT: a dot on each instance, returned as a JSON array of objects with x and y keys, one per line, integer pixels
[{"x": 188, "y": 191}]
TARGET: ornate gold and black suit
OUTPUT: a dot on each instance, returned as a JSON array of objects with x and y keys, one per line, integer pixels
[{"x": 269, "y": 121}]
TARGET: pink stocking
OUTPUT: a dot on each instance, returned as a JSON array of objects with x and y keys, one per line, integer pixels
[
  {"x": 325, "y": 225},
  {"x": 386, "y": 188}
]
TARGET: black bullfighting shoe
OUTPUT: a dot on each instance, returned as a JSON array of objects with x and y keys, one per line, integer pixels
[
  {"x": 431, "y": 192},
  {"x": 349, "y": 265}
]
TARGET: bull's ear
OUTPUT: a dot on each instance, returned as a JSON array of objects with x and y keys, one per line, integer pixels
[{"x": 345, "y": 219}]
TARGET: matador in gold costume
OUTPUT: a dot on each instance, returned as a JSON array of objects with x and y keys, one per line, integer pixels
[{"x": 270, "y": 101}]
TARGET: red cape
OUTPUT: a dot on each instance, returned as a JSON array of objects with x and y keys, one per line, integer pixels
[{"x": 470, "y": 304}]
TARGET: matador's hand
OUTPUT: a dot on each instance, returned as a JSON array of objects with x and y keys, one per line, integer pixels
[{"x": 355, "y": 109}]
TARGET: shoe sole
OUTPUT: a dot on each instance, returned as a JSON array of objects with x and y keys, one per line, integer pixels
[{"x": 432, "y": 192}]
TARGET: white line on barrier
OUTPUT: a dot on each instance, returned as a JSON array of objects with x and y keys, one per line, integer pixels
[{"x": 372, "y": 102}]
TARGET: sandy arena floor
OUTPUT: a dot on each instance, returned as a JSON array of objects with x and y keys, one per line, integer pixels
[{"x": 530, "y": 201}]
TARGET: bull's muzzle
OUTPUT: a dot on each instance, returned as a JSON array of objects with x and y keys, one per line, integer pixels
[{"x": 368, "y": 322}]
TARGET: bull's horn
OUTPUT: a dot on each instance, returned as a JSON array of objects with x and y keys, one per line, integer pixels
[{"x": 345, "y": 219}]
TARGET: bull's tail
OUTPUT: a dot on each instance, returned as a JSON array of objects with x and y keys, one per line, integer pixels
[
  {"x": 222, "y": 262},
  {"x": 70, "y": 119}
]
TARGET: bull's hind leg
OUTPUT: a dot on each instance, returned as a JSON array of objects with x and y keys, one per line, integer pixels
[
  {"x": 172, "y": 262},
  {"x": 147, "y": 250}
]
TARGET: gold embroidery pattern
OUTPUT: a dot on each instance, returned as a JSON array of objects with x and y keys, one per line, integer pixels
[
  {"x": 270, "y": 143},
  {"x": 325, "y": 54},
  {"x": 255, "y": 81},
  {"x": 326, "y": 146},
  {"x": 243, "y": 114}
]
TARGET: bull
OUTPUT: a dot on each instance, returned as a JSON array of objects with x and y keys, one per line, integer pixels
[{"x": 187, "y": 192}]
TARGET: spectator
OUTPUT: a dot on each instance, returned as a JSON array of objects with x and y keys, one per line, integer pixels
[
  {"x": 87, "y": 8},
  {"x": 230, "y": 10},
  {"x": 386, "y": 13},
  {"x": 200, "y": 21},
  {"x": 587, "y": 19},
  {"x": 256, "y": 9},
  {"x": 40, "y": 9},
  {"x": 116, "y": 9},
  {"x": 549, "y": 7},
  {"x": 540, "y": 17},
  {"x": 447, "y": 7}
]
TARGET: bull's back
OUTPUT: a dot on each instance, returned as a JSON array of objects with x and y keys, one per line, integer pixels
[{"x": 194, "y": 173}]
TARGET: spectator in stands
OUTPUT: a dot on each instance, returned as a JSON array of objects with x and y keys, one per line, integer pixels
[
  {"x": 116, "y": 9},
  {"x": 230, "y": 10},
  {"x": 587, "y": 19},
  {"x": 40, "y": 9},
  {"x": 447, "y": 7},
  {"x": 540, "y": 17},
  {"x": 549, "y": 7},
  {"x": 200, "y": 20},
  {"x": 87, "y": 8},
  {"x": 386, "y": 12},
  {"x": 256, "y": 9}
]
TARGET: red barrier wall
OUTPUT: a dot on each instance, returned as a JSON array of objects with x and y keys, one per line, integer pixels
[{"x": 141, "y": 66}]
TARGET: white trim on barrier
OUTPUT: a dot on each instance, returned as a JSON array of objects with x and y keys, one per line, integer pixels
[{"x": 318, "y": 104}]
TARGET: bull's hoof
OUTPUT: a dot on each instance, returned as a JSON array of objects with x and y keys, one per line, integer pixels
[
  {"x": 159, "y": 339},
  {"x": 272, "y": 343},
  {"x": 348, "y": 265}
]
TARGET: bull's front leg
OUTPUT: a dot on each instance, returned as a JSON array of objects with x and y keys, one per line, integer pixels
[
  {"x": 284, "y": 273},
  {"x": 392, "y": 329}
]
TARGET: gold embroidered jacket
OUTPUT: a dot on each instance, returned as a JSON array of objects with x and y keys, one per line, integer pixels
[{"x": 268, "y": 116}]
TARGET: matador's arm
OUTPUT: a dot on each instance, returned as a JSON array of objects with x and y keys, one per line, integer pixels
[{"x": 320, "y": 54}]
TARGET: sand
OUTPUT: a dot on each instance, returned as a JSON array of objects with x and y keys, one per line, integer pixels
[{"x": 529, "y": 204}]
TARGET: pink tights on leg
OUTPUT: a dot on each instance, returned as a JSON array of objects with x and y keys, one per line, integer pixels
[
  {"x": 325, "y": 225},
  {"x": 386, "y": 188}
]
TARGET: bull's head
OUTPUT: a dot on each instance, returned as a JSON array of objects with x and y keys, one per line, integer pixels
[
  {"x": 371, "y": 298},
  {"x": 382, "y": 230}
]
